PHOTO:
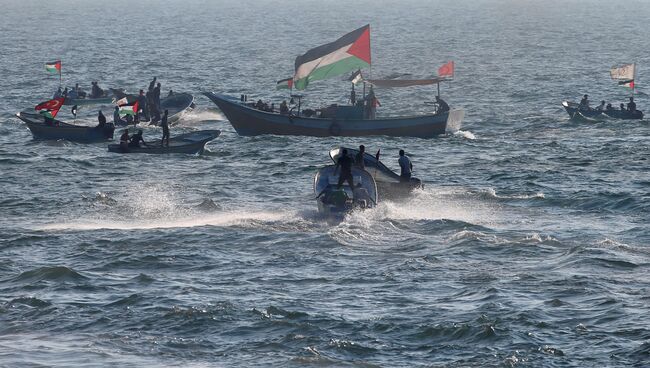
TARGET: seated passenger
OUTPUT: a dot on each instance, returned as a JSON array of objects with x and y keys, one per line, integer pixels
[
  {"x": 136, "y": 139},
  {"x": 609, "y": 107},
  {"x": 58, "y": 93},
  {"x": 124, "y": 140},
  {"x": 601, "y": 107},
  {"x": 259, "y": 105},
  {"x": 622, "y": 106}
]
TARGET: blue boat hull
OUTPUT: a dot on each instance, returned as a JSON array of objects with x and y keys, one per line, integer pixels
[
  {"x": 248, "y": 121},
  {"x": 573, "y": 111},
  {"x": 60, "y": 130}
]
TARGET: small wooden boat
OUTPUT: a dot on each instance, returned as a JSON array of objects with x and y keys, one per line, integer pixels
[
  {"x": 389, "y": 184},
  {"x": 248, "y": 121},
  {"x": 574, "y": 111},
  {"x": 53, "y": 129},
  {"x": 335, "y": 202},
  {"x": 190, "y": 143}
]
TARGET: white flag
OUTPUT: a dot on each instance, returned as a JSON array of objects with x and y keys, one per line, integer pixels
[{"x": 624, "y": 72}]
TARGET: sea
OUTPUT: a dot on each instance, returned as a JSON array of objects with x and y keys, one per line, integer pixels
[{"x": 527, "y": 247}]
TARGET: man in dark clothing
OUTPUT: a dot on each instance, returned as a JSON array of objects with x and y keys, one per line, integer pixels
[
  {"x": 124, "y": 140},
  {"x": 165, "y": 128},
  {"x": 117, "y": 120},
  {"x": 142, "y": 105},
  {"x": 156, "y": 96},
  {"x": 631, "y": 106},
  {"x": 442, "y": 105},
  {"x": 136, "y": 139},
  {"x": 101, "y": 119},
  {"x": 584, "y": 103},
  {"x": 353, "y": 96},
  {"x": 358, "y": 159},
  {"x": 152, "y": 84},
  {"x": 284, "y": 109},
  {"x": 345, "y": 163}
]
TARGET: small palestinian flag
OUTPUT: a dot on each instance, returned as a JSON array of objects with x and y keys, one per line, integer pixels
[
  {"x": 130, "y": 109},
  {"x": 348, "y": 53},
  {"x": 50, "y": 108},
  {"x": 356, "y": 77},
  {"x": 53, "y": 67},
  {"x": 285, "y": 84}
]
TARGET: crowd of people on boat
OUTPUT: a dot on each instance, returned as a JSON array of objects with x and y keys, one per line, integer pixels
[
  {"x": 77, "y": 93},
  {"x": 604, "y": 107}
]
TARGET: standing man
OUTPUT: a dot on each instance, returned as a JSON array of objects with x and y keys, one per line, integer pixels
[
  {"x": 101, "y": 120},
  {"x": 345, "y": 163},
  {"x": 165, "y": 128},
  {"x": 406, "y": 166},
  {"x": 631, "y": 106},
  {"x": 358, "y": 159},
  {"x": 142, "y": 105},
  {"x": 156, "y": 96},
  {"x": 152, "y": 84},
  {"x": 442, "y": 105},
  {"x": 116, "y": 117}
]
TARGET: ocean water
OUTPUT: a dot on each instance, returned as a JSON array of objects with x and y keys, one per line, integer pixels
[{"x": 528, "y": 246}]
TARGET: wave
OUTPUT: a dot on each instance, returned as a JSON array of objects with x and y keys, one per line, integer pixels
[
  {"x": 465, "y": 134},
  {"x": 55, "y": 273}
]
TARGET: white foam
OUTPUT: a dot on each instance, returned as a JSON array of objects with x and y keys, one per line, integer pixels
[{"x": 465, "y": 134}]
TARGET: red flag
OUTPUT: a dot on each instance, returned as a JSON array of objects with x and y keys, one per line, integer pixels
[
  {"x": 446, "y": 70},
  {"x": 52, "y": 106}
]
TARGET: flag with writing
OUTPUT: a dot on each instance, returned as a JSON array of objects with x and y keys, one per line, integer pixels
[{"x": 50, "y": 108}]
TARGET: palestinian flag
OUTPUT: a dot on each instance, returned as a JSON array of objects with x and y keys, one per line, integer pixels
[
  {"x": 53, "y": 67},
  {"x": 356, "y": 77},
  {"x": 50, "y": 108},
  {"x": 346, "y": 54},
  {"x": 130, "y": 109},
  {"x": 285, "y": 84}
]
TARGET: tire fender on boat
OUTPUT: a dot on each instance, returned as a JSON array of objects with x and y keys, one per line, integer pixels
[{"x": 335, "y": 129}]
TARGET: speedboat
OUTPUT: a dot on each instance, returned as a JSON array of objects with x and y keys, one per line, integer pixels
[
  {"x": 335, "y": 202},
  {"x": 572, "y": 108},
  {"x": 53, "y": 129},
  {"x": 390, "y": 184},
  {"x": 190, "y": 143}
]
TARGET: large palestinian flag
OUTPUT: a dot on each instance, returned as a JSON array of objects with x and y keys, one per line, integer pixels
[{"x": 348, "y": 53}]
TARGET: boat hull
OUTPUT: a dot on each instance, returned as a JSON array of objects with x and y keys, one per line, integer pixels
[
  {"x": 60, "y": 130},
  {"x": 248, "y": 121},
  {"x": 191, "y": 143},
  {"x": 326, "y": 182},
  {"x": 572, "y": 109}
]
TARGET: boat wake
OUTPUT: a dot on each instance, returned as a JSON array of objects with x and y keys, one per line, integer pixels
[
  {"x": 201, "y": 115},
  {"x": 156, "y": 207}
]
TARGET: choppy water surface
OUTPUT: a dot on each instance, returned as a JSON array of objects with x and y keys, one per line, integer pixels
[{"x": 529, "y": 245}]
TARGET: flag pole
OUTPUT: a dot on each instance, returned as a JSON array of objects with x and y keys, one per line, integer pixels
[{"x": 60, "y": 78}]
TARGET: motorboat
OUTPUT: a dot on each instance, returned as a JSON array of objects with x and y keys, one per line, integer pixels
[
  {"x": 189, "y": 143},
  {"x": 334, "y": 201},
  {"x": 389, "y": 183}
]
